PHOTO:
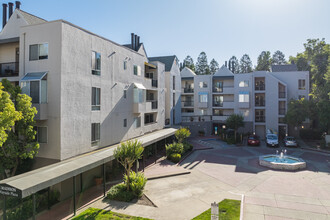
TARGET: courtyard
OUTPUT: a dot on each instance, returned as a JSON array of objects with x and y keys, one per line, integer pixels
[{"x": 219, "y": 171}]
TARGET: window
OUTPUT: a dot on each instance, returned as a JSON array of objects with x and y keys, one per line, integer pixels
[
  {"x": 139, "y": 95},
  {"x": 218, "y": 86},
  {"x": 243, "y": 96},
  {"x": 125, "y": 123},
  {"x": 35, "y": 85},
  {"x": 42, "y": 135},
  {"x": 96, "y": 98},
  {"x": 95, "y": 132},
  {"x": 217, "y": 112},
  {"x": 245, "y": 113},
  {"x": 39, "y": 51},
  {"x": 125, "y": 64},
  {"x": 244, "y": 83},
  {"x": 301, "y": 84},
  {"x": 203, "y": 97},
  {"x": 218, "y": 101},
  {"x": 137, "y": 122},
  {"x": 173, "y": 82},
  {"x": 96, "y": 63},
  {"x": 202, "y": 84},
  {"x": 281, "y": 120},
  {"x": 149, "y": 118},
  {"x": 137, "y": 70},
  {"x": 260, "y": 115},
  {"x": 125, "y": 94},
  {"x": 187, "y": 110}
]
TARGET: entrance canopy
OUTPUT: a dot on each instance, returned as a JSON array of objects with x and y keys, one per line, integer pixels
[{"x": 31, "y": 182}]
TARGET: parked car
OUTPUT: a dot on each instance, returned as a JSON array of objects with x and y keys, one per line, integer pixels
[
  {"x": 272, "y": 140},
  {"x": 253, "y": 140},
  {"x": 290, "y": 142}
]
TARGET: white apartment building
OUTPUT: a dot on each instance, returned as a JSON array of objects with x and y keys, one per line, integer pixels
[
  {"x": 173, "y": 87},
  {"x": 90, "y": 92},
  {"x": 261, "y": 97}
]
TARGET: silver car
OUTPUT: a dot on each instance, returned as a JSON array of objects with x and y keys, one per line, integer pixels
[{"x": 290, "y": 142}]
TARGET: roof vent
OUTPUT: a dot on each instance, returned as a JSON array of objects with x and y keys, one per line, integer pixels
[{"x": 18, "y": 4}]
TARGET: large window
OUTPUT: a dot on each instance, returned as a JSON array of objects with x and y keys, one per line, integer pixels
[
  {"x": 218, "y": 101},
  {"x": 137, "y": 70},
  {"x": 95, "y": 132},
  {"x": 139, "y": 95},
  {"x": 301, "y": 84},
  {"x": 125, "y": 64},
  {"x": 203, "y": 97},
  {"x": 96, "y": 98},
  {"x": 96, "y": 63},
  {"x": 125, "y": 123},
  {"x": 244, "y": 83},
  {"x": 243, "y": 96},
  {"x": 202, "y": 84},
  {"x": 149, "y": 118},
  {"x": 39, "y": 51},
  {"x": 218, "y": 86},
  {"x": 42, "y": 134},
  {"x": 35, "y": 86}
]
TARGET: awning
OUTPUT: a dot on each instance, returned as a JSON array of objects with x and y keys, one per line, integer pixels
[
  {"x": 31, "y": 182},
  {"x": 150, "y": 65},
  {"x": 139, "y": 86},
  {"x": 34, "y": 76}
]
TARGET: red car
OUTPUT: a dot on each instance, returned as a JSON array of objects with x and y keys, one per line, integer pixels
[{"x": 253, "y": 140}]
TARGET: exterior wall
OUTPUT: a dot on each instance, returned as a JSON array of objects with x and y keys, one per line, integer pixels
[
  {"x": 207, "y": 107},
  {"x": 11, "y": 30},
  {"x": 46, "y": 33},
  {"x": 175, "y": 71}
]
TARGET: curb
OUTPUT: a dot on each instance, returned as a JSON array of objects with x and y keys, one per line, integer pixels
[
  {"x": 169, "y": 175},
  {"x": 191, "y": 152},
  {"x": 316, "y": 150},
  {"x": 242, "y": 204}
]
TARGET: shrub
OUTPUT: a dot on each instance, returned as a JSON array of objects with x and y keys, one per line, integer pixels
[
  {"x": 118, "y": 192},
  {"x": 187, "y": 146},
  {"x": 201, "y": 133},
  {"x": 174, "y": 148},
  {"x": 137, "y": 182},
  {"x": 175, "y": 158},
  {"x": 312, "y": 134},
  {"x": 231, "y": 140},
  {"x": 182, "y": 134}
]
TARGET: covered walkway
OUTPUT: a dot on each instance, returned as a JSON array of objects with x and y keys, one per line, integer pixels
[{"x": 29, "y": 183}]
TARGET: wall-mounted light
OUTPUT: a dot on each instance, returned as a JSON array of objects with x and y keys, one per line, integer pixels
[{"x": 112, "y": 54}]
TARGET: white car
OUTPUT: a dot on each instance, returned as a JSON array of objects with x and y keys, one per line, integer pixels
[{"x": 272, "y": 140}]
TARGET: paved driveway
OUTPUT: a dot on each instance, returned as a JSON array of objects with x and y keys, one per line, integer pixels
[{"x": 226, "y": 171}]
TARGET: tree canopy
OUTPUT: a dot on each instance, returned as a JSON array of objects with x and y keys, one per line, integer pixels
[
  {"x": 278, "y": 58},
  {"x": 202, "y": 67},
  {"x": 264, "y": 61},
  {"x": 245, "y": 64},
  {"x": 189, "y": 62},
  {"x": 234, "y": 65},
  {"x": 214, "y": 66},
  {"x": 235, "y": 121}
]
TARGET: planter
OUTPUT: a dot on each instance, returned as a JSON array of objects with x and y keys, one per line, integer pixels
[{"x": 98, "y": 180}]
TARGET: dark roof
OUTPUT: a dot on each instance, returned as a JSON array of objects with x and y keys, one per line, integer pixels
[
  {"x": 284, "y": 68},
  {"x": 31, "y": 19},
  {"x": 167, "y": 60}
]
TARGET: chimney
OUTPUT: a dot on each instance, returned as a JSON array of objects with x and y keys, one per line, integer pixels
[
  {"x": 18, "y": 4},
  {"x": 225, "y": 63},
  {"x": 11, "y": 6},
  {"x": 230, "y": 65},
  {"x": 135, "y": 45},
  {"x": 138, "y": 43},
  {"x": 4, "y": 15},
  {"x": 132, "y": 40}
]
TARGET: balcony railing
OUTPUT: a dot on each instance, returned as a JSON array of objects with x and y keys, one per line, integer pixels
[
  {"x": 259, "y": 87},
  {"x": 217, "y": 104},
  {"x": 260, "y": 118},
  {"x": 188, "y": 90},
  {"x": 281, "y": 94},
  {"x": 9, "y": 69},
  {"x": 260, "y": 103},
  {"x": 187, "y": 103},
  {"x": 196, "y": 118},
  {"x": 217, "y": 89},
  {"x": 154, "y": 105},
  {"x": 281, "y": 111},
  {"x": 154, "y": 83}
]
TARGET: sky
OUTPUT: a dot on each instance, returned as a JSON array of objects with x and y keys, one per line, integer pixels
[{"x": 220, "y": 28}]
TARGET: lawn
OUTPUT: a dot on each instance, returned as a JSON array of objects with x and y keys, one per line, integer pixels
[
  {"x": 228, "y": 210},
  {"x": 100, "y": 214}
]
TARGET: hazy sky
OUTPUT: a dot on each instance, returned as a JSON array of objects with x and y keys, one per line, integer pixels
[{"x": 221, "y": 28}]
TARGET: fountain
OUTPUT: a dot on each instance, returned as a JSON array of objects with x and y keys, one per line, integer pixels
[{"x": 281, "y": 161}]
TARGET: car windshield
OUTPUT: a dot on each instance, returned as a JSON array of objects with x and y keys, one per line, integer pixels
[
  {"x": 272, "y": 137},
  {"x": 290, "y": 139}
]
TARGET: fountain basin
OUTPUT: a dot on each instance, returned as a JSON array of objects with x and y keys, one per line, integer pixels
[{"x": 282, "y": 162}]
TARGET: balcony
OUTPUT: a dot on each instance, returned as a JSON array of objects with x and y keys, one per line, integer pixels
[
  {"x": 260, "y": 118},
  {"x": 219, "y": 117},
  {"x": 9, "y": 69},
  {"x": 139, "y": 107},
  {"x": 224, "y": 90},
  {"x": 188, "y": 90},
  {"x": 281, "y": 95},
  {"x": 217, "y": 104},
  {"x": 154, "y": 83},
  {"x": 225, "y": 104},
  {"x": 281, "y": 111},
  {"x": 260, "y": 103},
  {"x": 42, "y": 111},
  {"x": 187, "y": 104},
  {"x": 200, "y": 118}
]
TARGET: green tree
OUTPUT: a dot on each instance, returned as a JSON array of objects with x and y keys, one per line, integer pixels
[
  {"x": 264, "y": 61},
  {"x": 182, "y": 134},
  {"x": 235, "y": 121},
  {"x": 245, "y": 64},
  {"x": 127, "y": 154},
  {"x": 214, "y": 66},
  {"x": 298, "y": 111},
  {"x": 21, "y": 143},
  {"x": 278, "y": 58},
  {"x": 234, "y": 65},
  {"x": 202, "y": 67},
  {"x": 189, "y": 62}
]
